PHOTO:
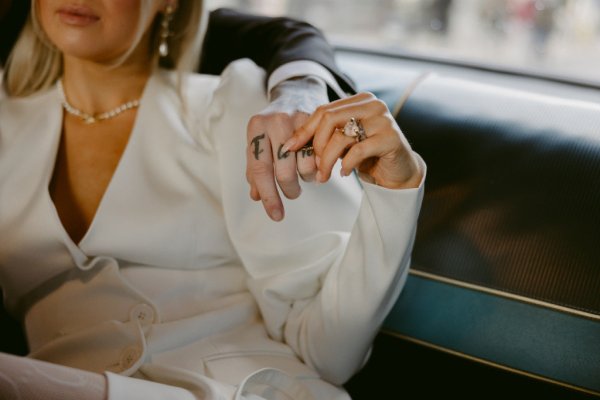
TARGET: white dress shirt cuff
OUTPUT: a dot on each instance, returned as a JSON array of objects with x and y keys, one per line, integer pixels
[{"x": 299, "y": 68}]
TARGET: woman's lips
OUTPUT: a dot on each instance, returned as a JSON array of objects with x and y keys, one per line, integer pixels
[{"x": 77, "y": 16}]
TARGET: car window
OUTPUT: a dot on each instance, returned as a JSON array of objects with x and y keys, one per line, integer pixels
[{"x": 553, "y": 37}]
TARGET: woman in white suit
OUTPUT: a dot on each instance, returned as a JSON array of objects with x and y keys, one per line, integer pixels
[{"x": 130, "y": 249}]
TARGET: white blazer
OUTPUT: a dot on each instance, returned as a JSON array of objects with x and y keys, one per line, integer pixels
[{"x": 183, "y": 280}]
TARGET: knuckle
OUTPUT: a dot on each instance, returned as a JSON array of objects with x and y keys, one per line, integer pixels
[
  {"x": 279, "y": 118},
  {"x": 368, "y": 95},
  {"x": 270, "y": 200},
  {"x": 318, "y": 146},
  {"x": 327, "y": 117},
  {"x": 321, "y": 109},
  {"x": 260, "y": 169},
  {"x": 254, "y": 128},
  {"x": 299, "y": 118},
  {"x": 379, "y": 106},
  {"x": 255, "y": 121},
  {"x": 300, "y": 131},
  {"x": 358, "y": 150},
  {"x": 302, "y": 134},
  {"x": 285, "y": 176},
  {"x": 306, "y": 168}
]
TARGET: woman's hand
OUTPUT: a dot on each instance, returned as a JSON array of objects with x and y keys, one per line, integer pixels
[
  {"x": 383, "y": 156},
  {"x": 268, "y": 166}
]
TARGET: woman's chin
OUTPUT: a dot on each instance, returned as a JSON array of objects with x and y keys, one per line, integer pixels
[{"x": 91, "y": 54}]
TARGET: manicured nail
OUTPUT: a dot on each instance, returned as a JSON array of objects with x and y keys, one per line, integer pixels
[
  {"x": 319, "y": 177},
  {"x": 289, "y": 144},
  {"x": 343, "y": 173},
  {"x": 276, "y": 215}
]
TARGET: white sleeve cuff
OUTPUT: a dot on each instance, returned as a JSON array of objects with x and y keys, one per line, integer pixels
[
  {"x": 125, "y": 388},
  {"x": 295, "y": 69}
]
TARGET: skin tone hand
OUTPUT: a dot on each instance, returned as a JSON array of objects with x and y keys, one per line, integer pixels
[
  {"x": 268, "y": 165},
  {"x": 384, "y": 157}
]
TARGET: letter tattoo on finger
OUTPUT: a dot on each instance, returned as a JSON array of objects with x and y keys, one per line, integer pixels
[
  {"x": 307, "y": 151},
  {"x": 256, "y": 143},
  {"x": 281, "y": 155}
]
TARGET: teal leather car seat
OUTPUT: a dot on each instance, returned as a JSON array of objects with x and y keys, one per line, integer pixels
[{"x": 506, "y": 264}]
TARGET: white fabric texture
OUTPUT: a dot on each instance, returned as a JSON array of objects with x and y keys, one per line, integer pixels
[
  {"x": 302, "y": 95},
  {"x": 22, "y": 378},
  {"x": 181, "y": 279},
  {"x": 295, "y": 69}
]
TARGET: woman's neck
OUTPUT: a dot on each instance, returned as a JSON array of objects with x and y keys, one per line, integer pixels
[{"x": 95, "y": 88}]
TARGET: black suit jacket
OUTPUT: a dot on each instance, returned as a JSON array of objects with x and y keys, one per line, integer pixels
[{"x": 269, "y": 42}]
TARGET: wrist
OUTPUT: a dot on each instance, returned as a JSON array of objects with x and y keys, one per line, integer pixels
[
  {"x": 299, "y": 94},
  {"x": 305, "y": 68},
  {"x": 409, "y": 174}
]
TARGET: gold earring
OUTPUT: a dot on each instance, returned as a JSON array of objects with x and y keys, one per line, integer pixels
[{"x": 165, "y": 31}]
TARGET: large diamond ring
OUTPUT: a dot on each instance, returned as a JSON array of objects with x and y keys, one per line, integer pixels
[{"x": 354, "y": 128}]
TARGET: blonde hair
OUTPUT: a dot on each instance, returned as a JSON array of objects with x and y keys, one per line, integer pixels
[{"x": 36, "y": 64}]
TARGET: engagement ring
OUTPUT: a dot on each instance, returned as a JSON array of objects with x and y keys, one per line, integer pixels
[{"x": 354, "y": 128}]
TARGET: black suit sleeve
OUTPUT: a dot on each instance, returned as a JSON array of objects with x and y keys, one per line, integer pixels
[
  {"x": 10, "y": 26},
  {"x": 269, "y": 42}
]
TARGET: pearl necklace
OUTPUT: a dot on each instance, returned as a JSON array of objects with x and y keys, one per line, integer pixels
[{"x": 89, "y": 118}]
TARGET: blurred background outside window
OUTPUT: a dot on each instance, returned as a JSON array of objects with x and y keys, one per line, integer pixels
[{"x": 556, "y": 37}]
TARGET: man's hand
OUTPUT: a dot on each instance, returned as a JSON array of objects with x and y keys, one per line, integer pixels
[{"x": 268, "y": 164}]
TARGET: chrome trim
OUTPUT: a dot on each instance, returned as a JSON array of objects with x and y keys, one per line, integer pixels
[
  {"x": 490, "y": 363},
  {"x": 511, "y": 296}
]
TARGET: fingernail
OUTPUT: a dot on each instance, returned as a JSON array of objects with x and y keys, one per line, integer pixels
[
  {"x": 276, "y": 215},
  {"x": 317, "y": 161},
  {"x": 319, "y": 177},
  {"x": 289, "y": 144},
  {"x": 343, "y": 173}
]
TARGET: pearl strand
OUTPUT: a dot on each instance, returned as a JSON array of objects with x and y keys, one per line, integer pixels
[{"x": 90, "y": 119}]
